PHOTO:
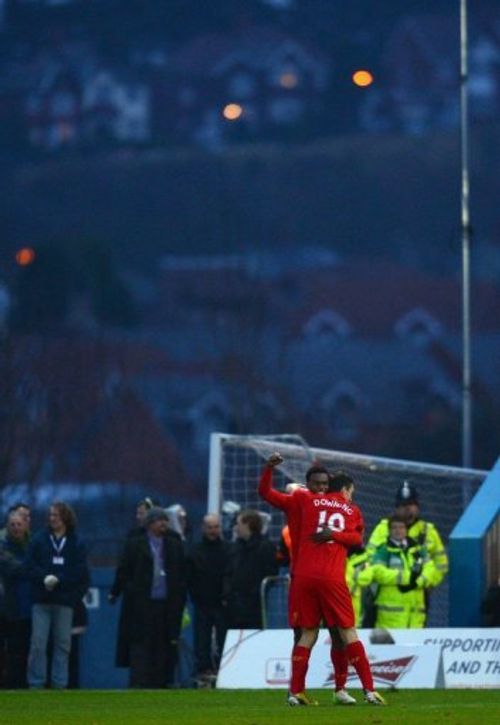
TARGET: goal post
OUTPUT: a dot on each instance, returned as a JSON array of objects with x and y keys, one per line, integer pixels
[{"x": 236, "y": 463}]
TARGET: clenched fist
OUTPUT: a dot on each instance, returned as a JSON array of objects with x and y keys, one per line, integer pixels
[{"x": 274, "y": 459}]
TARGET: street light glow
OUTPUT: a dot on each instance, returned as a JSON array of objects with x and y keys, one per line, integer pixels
[
  {"x": 289, "y": 80},
  {"x": 25, "y": 256},
  {"x": 362, "y": 78},
  {"x": 232, "y": 112}
]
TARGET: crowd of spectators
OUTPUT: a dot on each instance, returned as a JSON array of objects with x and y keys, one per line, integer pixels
[
  {"x": 43, "y": 579},
  {"x": 168, "y": 577}
]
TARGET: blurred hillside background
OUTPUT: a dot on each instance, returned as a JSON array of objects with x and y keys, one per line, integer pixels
[{"x": 206, "y": 225}]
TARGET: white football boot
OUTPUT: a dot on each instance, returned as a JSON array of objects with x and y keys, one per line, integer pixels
[{"x": 342, "y": 697}]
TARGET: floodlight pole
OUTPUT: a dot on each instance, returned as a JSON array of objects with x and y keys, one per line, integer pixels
[{"x": 466, "y": 235}]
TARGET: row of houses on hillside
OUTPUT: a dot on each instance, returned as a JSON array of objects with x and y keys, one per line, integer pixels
[
  {"x": 350, "y": 355},
  {"x": 256, "y": 83},
  {"x": 213, "y": 89},
  {"x": 420, "y": 65}
]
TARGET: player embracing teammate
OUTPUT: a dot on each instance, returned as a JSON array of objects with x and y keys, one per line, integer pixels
[{"x": 323, "y": 524}]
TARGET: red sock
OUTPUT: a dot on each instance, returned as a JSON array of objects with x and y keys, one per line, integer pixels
[
  {"x": 300, "y": 663},
  {"x": 340, "y": 664},
  {"x": 356, "y": 656}
]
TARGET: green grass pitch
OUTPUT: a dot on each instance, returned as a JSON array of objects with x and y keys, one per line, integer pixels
[{"x": 242, "y": 707}]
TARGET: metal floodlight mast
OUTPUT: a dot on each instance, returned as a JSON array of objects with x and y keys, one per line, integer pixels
[{"x": 466, "y": 235}]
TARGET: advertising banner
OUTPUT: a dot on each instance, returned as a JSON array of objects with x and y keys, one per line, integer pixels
[
  {"x": 444, "y": 657},
  {"x": 471, "y": 656},
  {"x": 261, "y": 659}
]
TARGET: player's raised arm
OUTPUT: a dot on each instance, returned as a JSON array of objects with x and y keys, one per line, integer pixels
[{"x": 265, "y": 488}]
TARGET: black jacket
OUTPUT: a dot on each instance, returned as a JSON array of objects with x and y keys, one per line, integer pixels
[
  {"x": 208, "y": 565},
  {"x": 119, "y": 581},
  {"x": 251, "y": 562},
  {"x": 73, "y": 573},
  {"x": 137, "y": 566}
]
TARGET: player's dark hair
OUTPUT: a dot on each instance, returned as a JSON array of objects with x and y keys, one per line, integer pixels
[
  {"x": 340, "y": 480},
  {"x": 316, "y": 469}
]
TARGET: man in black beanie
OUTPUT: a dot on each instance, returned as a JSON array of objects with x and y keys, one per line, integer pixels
[{"x": 155, "y": 590}]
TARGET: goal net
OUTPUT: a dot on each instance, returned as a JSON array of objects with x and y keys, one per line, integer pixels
[{"x": 444, "y": 491}]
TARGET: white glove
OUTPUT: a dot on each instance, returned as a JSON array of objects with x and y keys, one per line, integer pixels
[{"x": 50, "y": 582}]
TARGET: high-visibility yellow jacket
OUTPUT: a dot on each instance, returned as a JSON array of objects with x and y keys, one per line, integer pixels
[
  {"x": 358, "y": 574},
  {"x": 425, "y": 534},
  {"x": 392, "y": 566}
]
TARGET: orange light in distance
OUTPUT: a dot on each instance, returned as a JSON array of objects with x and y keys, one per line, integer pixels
[
  {"x": 289, "y": 80},
  {"x": 362, "y": 78},
  {"x": 25, "y": 256},
  {"x": 232, "y": 112}
]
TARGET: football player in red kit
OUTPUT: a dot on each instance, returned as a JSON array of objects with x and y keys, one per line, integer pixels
[{"x": 323, "y": 523}]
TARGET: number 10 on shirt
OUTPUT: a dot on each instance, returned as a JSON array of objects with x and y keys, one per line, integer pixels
[{"x": 334, "y": 522}]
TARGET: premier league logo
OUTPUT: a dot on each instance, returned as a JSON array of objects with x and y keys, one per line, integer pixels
[{"x": 277, "y": 671}]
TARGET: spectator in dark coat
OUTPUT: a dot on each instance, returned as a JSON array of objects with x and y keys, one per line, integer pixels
[
  {"x": 208, "y": 571},
  {"x": 141, "y": 511},
  {"x": 155, "y": 593},
  {"x": 57, "y": 565},
  {"x": 253, "y": 559},
  {"x": 17, "y": 602},
  {"x": 118, "y": 586},
  {"x": 9, "y": 565}
]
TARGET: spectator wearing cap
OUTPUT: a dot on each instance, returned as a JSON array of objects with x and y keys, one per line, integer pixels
[
  {"x": 155, "y": 593},
  {"x": 424, "y": 533}
]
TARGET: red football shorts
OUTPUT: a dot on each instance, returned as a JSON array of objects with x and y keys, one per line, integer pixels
[{"x": 312, "y": 601}]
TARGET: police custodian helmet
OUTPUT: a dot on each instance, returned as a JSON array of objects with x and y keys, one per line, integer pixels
[{"x": 406, "y": 493}]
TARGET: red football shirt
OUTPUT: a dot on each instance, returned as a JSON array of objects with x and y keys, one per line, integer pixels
[
  {"x": 343, "y": 519},
  {"x": 308, "y": 513}
]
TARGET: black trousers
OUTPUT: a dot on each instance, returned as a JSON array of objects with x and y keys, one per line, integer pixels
[
  {"x": 207, "y": 621},
  {"x": 3, "y": 652},
  {"x": 153, "y": 657},
  {"x": 18, "y": 644},
  {"x": 244, "y": 612}
]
